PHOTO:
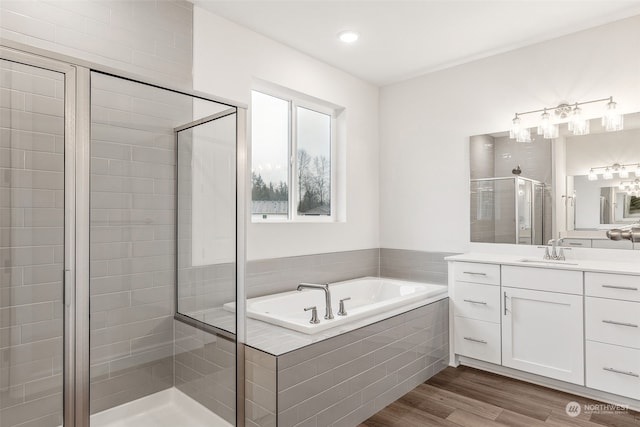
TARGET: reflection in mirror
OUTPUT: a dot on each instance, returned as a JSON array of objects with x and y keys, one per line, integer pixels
[
  {"x": 580, "y": 200},
  {"x": 598, "y": 199},
  {"x": 510, "y": 190}
]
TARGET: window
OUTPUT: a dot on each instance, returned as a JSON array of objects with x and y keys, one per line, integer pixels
[{"x": 292, "y": 159}]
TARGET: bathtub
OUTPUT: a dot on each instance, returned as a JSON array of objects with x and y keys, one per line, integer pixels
[{"x": 370, "y": 296}]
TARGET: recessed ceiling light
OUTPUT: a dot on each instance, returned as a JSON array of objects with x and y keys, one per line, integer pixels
[{"x": 348, "y": 36}]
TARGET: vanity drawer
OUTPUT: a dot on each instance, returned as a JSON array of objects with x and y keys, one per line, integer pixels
[
  {"x": 611, "y": 244},
  {"x": 476, "y": 301},
  {"x": 543, "y": 279},
  {"x": 489, "y": 274},
  {"x": 616, "y": 286},
  {"x": 477, "y": 339},
  {"x": 576, "y": 243},
  {"x": 613, "y": 369},
  {"x": 612, "y": 321}
]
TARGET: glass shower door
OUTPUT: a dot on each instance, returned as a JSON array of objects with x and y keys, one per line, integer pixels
[{"x": 32, "y": 245}]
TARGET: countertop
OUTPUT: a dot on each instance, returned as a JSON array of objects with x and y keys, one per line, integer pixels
[{"x": 627, "y": 266}]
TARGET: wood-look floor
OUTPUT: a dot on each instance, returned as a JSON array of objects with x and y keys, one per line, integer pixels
[{"x": 469, "y": 397}]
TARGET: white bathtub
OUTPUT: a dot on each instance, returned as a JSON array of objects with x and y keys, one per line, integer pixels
[{"x": 370, "y": 296}]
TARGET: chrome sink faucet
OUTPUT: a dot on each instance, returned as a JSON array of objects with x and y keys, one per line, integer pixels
[
  {"x": 328, "y": 314},
  {"x": 555, "y": 254}
]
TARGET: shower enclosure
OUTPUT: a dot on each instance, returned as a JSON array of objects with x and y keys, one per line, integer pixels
[
  {"x": 508, "y": 210},
  {"x": 91, "y": 249}
]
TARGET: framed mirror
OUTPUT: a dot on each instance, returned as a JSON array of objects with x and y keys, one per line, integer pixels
[{"x": 528, "y": 193}]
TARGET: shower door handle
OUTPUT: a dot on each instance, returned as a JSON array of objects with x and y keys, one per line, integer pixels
[{"x": 68, "y": 287}]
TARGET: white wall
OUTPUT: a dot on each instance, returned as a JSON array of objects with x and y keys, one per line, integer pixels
[
  {"x": 426, "y": 123},
  {"x": 228, "y": 59}
]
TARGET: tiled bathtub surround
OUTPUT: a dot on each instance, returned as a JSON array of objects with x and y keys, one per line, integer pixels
[
  {"x": 416, "y": 266},
  {"x": 343, "y": 380},
  {"x": 270, "y": 276}
]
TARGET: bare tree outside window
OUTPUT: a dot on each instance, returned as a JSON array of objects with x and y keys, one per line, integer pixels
[{"x": 273, "y": 138}]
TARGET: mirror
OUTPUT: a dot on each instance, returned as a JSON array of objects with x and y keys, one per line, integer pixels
[
  {"x": 510, "y": 190},
  {"x": 562, "y": 201}
]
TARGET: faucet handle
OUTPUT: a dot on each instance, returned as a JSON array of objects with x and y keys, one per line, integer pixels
[
  {"x": 560, "y": 255},
  {"x": 342, "y": 311},
  {"x": 314, "y": 315}
]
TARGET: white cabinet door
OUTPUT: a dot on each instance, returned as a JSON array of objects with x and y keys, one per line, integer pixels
[{"x": 542, "y": 333}]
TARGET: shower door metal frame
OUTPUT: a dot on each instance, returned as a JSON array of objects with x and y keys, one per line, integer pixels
[
  {"x": 76, "y": 407},
  {"x": 70, "y": 73}
]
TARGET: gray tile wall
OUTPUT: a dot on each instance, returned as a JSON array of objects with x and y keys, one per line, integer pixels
[
  {"x": 31, "y": 245},
  {"x": 261, "y": 392},
  {"x": 414, "y": 265},
  {"x": 271, "y": 276},
  {"x": 205, "y": 369},
  {"x": 132, "y": 237},
  {"x": 149, "y": 38},
  {"x": 344, "y": 380}
]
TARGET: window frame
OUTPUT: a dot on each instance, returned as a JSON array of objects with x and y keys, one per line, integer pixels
[{"x": 296, "y": 101}]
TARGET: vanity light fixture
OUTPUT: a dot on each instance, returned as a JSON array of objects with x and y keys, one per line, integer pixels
[
  {"x": 519, "y": 132},
  {"x": 577, "y": 123},
  {"x": 608, "y": 171},
  {"x": 631, "y": 187}
]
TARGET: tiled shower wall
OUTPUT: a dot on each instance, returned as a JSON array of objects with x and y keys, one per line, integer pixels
[
  {"x": 132, "y": 238},
  {"x": 31, "y": 245},
  {"x": 151, "y": 38}
]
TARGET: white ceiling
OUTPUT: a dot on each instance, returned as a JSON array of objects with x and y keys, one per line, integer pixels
[{"x": 404, "y": 39}]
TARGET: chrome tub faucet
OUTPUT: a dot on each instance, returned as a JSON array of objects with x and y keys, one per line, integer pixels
[{"x": 328, "y": 314}]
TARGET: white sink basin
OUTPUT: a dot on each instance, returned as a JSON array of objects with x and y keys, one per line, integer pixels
[{"x": 547, "y": 261}]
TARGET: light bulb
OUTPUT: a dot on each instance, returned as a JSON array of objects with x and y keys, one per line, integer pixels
[
  {"x": 524, "y": 135},
  {"x": 623, "y": 172},
  {"x": 612, "y": 120},
  {"x": 593, "y": 176},
  {"x": 516, "y": 127},
  {"x": 545, "y": 123},
  {"x": 607, "y": 174},
  {"x": 577, "y": 123}
]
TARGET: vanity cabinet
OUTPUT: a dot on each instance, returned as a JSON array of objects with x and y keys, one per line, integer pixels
[
  {"x": 542, "y": 327},
  {"x": 612, "y": 318},
  {"x": 542, "y": 333},
  {"x": 477, "y": 311},
  {"x": 579, "y": 327}
]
